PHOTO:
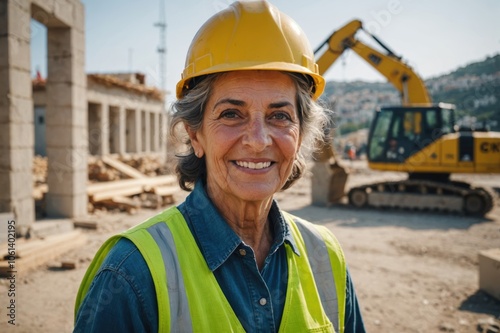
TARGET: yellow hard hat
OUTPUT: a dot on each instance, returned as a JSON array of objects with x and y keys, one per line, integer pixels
[{"x": 250, "y": 35}]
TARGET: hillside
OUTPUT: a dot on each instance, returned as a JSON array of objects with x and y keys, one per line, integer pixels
[
  {"x": 473, "y": 88},
  {"x": 487, "y": 66}
]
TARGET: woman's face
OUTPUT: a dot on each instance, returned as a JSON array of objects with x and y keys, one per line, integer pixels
[{"x": 250, "y": 134}]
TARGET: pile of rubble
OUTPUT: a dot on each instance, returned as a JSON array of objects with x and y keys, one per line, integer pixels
[
  {"x": 100, "y": 171},
  {"x": 116, "y": 183},
  {"x": 147, "y": 165},
  {"x": 39, "y": 170}
]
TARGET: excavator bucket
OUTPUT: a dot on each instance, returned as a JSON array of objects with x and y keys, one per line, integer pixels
[
  {"x": 328, "y": 183},
  {"x": 338, "y": 180},
  {"x": 328, "y": 176}
]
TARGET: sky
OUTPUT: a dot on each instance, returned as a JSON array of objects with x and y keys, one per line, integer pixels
[{"x": 433, "y": 36}]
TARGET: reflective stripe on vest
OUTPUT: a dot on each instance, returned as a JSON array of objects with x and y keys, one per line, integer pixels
[
  {"x": 317, "y": 253},
  {"x": 179, "y": 306}
]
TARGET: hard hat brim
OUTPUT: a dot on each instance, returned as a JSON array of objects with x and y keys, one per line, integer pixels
[{"x": 319, "y": 81}]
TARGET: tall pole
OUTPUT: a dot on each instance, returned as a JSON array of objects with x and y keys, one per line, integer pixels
[{"x": 162, "y": 47}]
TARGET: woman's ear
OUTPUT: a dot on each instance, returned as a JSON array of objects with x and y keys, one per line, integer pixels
[{"x": 195, "y": 142}]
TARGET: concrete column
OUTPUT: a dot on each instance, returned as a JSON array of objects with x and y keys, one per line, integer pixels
[
  {"x": 138, "y": 131},
  {"x": 122, "y": 127},
  {"x": 104, "y": 127},
  {"x": 130, "y": 123},
  {"x": 147, "y": 131},
  {"x": 16, "y": 114},
  {"x": 114, "y": 129},
  {"x": 94, "y": 128},
  {"x": 67, "y": 143},
  {"x": 133, "y": 132}
]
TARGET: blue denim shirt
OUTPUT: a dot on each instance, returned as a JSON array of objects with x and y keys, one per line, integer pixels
[{"x": 122, "y": 297}]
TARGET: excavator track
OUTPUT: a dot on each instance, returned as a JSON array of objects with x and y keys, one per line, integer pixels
[{"x": 424, "y": 195}]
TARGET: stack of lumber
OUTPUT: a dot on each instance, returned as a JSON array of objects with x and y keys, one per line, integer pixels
[
  {"x": 116, "y": 194},
  {"x": 99, "y": 172},
  {"x": 147, "y": 165},
  {"x": 39, "y": 177},
  {"x": 39, "y": 170},
  {"x": 39, "y": 191},
  {"x": 34, "y": 252},
  {"x": 126, "y": 183}
]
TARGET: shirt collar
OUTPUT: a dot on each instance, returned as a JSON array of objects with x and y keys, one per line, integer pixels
[{"x": 216, "y": 239}]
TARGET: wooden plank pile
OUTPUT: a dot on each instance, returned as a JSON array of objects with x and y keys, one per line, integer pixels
[
  {"x": 159, "y": 190},
  {"x": 126, "y": 185},
  {"x": 147, "y": 165},
  {"x": 39, "y": 177},
  {"x": 34, "y": 252}
]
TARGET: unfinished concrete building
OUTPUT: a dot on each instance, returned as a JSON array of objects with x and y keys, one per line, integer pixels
[
  {"x": 116, "y": 115},
  {"x": 66, "y": 113},
  {"x": 125, "y": 117}
]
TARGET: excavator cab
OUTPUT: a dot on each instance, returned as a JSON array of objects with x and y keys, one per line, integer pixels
[
  {"x": 399, "y": 132},
  {"x": 424, "y": 142}
]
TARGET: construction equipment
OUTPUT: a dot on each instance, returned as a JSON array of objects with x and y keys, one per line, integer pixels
[{"x": 418, "y": 138}]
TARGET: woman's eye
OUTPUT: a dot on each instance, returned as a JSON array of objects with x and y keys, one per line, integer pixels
[
  {"x": 229, "y": 114},
  {"x": 281, "y": 116}
]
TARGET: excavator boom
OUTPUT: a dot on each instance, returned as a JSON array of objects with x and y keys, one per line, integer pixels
[{"x": 400, "y": 75}]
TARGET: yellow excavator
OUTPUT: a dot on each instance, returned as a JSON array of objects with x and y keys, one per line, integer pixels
[{"x": 417, "y": 137}]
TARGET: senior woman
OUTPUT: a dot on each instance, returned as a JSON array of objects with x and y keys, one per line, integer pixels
[{"x": 228, "y": 259}]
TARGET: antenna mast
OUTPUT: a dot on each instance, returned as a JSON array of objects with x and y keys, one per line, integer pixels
[{"x": 162, "y": 47}]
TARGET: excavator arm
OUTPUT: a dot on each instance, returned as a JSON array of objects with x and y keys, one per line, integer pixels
[
  {"x": 329, "y": 177},
  {"x": 399, "y": 74}
]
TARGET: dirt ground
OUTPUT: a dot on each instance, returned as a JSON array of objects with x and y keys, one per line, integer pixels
[{"x": 413, "y": 271}]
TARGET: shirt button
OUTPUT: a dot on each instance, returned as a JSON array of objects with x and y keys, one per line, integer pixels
[
  {"x": 243, "y": 252},
  {"x": 263, "y": 301}
]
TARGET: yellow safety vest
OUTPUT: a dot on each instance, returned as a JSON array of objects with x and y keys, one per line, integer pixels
[{"x": 190, "y": 299}]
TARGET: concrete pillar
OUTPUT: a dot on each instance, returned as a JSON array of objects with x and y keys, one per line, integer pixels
[
  {"x": 114, "y": 129},
  {"x": 138, "y": 131},
  {"x": 67, "y": 143},
  {"x": 16, "y": 114},
  {"x": 147, "y": 131},
  {"x": 104, "y": 127},
  {"x": 94, "y": 129},
  {"x": 130, "y": 130},
  {"x": 122, "y": 128},
  {"x": 133, "y": 132}
]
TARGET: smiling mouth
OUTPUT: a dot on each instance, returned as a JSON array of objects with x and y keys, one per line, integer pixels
[{"x": 252, "y": 165}]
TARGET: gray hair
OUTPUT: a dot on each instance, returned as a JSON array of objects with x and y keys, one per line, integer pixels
[{"x": 188, "y": 110}]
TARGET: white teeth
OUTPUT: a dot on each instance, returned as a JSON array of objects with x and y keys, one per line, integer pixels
[{"x": 252, "y": 165}]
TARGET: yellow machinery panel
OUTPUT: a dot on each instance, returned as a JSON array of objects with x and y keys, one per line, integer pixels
[
  {"x": 448, "y": 155},
  {"x": 449, "y": 150},
  {"x": 487, "y": 152},
  {"x": 451, "y": 154}
]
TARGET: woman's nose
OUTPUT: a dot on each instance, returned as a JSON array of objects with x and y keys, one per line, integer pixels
[{"x": 257, "y": 135}]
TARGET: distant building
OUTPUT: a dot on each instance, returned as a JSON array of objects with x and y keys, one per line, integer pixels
[{"x": 124, "y": 115}]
